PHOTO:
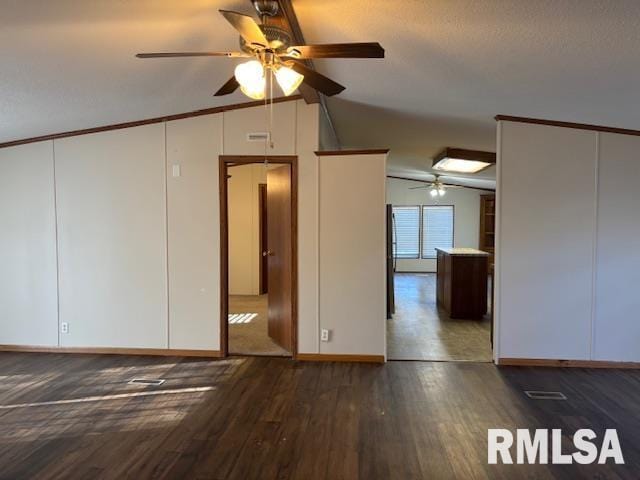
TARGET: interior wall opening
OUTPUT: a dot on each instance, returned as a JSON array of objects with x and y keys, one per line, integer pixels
[{"x": 440, "y": 257}]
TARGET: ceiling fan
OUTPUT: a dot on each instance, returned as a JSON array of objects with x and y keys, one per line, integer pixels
[
  {"x": 271, "y": 52},
  {"x": 437, "y": 188}
]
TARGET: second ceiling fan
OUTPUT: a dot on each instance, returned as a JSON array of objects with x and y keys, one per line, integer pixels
[
  {"x": 437, "y": 188},
  {"x": 272, "y": 54}
]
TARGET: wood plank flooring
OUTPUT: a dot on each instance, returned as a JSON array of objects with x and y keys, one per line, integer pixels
[
  {"x": 420, "y": 330},
  {"x": 272, "y": 418}
]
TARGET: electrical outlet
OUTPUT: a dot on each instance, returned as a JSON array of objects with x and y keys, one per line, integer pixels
[
  {"x": 324, "y": 334},
  {"x": 64, "y": 327}
]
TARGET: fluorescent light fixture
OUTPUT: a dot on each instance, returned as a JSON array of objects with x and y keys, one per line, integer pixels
[
  {"x": 459, "y": 160},
  {"x": 460, "y": 165}
]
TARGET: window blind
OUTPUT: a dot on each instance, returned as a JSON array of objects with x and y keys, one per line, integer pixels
[
  {"x": 406, "y": 231},
  {"x": 437, "y": 229}
]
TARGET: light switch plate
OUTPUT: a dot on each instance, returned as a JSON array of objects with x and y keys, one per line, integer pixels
[{"x": 176, "y": 170}]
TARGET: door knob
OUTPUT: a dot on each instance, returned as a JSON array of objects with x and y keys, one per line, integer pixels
[{"x": 268, "y": 253}]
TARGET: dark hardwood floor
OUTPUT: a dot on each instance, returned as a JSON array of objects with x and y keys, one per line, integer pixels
[{"x": 268, "y": 418}]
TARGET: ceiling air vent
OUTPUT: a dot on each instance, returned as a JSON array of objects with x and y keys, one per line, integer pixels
[
  {"x": 539, "y": 395},
  {"x": 258, "y": 137}
]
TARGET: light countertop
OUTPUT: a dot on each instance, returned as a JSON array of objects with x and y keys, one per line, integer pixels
[{"x": 467, "y": 252}]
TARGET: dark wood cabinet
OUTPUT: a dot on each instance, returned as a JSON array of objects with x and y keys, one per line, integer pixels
[
  {"x": 461, "y": 282},
  {"x": 488, "y": 225}
]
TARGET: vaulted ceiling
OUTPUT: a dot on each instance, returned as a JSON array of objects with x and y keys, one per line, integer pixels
[{"x": 450, "y": 66}]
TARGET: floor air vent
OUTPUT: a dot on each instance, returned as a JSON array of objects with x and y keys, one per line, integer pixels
[
  {"x": 146, "y": 381},
  {"x": 539, "y": 395}
]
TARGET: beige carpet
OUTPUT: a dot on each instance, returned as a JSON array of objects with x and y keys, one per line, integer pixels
[{"x": 248, "y": 333}]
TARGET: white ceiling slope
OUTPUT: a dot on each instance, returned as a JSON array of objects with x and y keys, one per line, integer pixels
[
  {"x": 69, "y": 64},
  {"x": 450, "y": 66}
]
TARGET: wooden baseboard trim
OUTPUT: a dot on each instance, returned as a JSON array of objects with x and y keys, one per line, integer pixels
[
  {"x": 164, "y": 352},
  {"x": 538, "y": 362},
  {"x": 327, "y": 357}
]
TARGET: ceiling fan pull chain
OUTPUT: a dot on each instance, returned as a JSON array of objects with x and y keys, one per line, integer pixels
[
  {"x": 271, "y": 110},
  {"x": 266, "y": 121}
]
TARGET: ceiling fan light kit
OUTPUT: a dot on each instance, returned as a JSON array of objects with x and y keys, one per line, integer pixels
[
  {"x": 437, "y": 191},
  {"x": 288, "y": 79},
  {"x": 250, "y": 76},
  {"x": 459, "y": 160},
  {"x": 273, "y": 55},
  {"x": 437, "y": 188}
]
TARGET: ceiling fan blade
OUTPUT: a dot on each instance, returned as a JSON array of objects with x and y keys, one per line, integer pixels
[
  {"x": 246, "y": 26},
  {"x": 316, "y": 80},
  {"x": 337, "y": 50},
  {"x": 191, "y": 54},
  {"x": 229, "y": 87},
  {"x": 419, "y": 188}
]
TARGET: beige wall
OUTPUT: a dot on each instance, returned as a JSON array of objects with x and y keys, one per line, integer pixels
[
  {"x": 466, "y": 226},
  {"x": 352, "y": 254},
  {"x": 244, "y": 228}
]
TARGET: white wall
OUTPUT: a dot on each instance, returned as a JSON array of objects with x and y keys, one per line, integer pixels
[
  {"x": 328, "y": 138},
  {"x": 466, "y": 227},
  {"x": 28, "y": 271},
  {"x": 193, "y": 214},
  {"x": 237, "y": 123},
  {"x": 352, "y": 253},
  {"x": 111, "y": 207},
  {"x": 307, "y": 143},
  {"x": 616, "y": 330},
  {"x": 547, "y": 201},
  {"x": 244, "y": 228},
  {"x": 139, "y": 248},
  {"x": 567, "y": 233}
]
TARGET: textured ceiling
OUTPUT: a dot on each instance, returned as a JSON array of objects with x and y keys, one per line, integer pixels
[
  {"x": 451, "y": 65},
  {"x": 69, "y": 64}
]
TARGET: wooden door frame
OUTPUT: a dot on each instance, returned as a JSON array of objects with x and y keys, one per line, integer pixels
[
  {"x": 263, "y": 282},
  {"x": 224, "y": 163}
]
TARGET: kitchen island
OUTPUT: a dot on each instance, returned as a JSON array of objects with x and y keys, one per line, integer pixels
[{"x": 462, "y": 275}]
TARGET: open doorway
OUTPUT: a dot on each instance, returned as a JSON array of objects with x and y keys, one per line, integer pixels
[
  {"x": 258, "y": 203},
  {"x": 439, "y": 264}
]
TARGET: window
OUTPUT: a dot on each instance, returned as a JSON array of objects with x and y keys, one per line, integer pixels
[
  {"x": 406, "y": 232},
  {"x": 437, "y": 229}
]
